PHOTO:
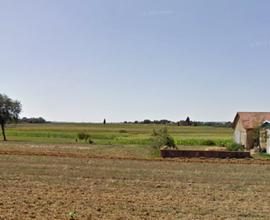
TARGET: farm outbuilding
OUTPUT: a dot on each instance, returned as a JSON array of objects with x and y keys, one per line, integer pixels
[{"x": 247, "y": 125}]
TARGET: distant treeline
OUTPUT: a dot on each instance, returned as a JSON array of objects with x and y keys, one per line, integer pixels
[
  {"x": 33, "y": 120},
  {"x": 227, "y": 124},
  {"x": 186, "y": 122}
]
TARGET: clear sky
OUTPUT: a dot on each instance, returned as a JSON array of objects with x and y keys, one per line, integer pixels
[{"x": 86, "y": 60}]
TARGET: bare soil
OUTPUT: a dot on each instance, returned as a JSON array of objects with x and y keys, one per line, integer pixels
[{"x": 49, "y": 184}]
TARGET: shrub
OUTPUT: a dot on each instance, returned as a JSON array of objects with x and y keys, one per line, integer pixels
[
  {"x": 161, "y": 138},
  {"x": 234, "y": 147},
  {"x": 123, "y": 131},
  {"x": 200, "y": 141},
  {"x": 84, "y": 137}
]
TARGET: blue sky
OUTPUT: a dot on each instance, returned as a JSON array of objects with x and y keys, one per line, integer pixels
[{"x": 85, "y": 60}]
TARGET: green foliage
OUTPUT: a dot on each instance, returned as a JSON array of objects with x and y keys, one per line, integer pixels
[
  {"x": 84, "y": 137},
  {"x": 204, "y": 142},
  {"x": 155, "y": 153},
  {"x": 9, "y": 111},
  {"x": 90, "y": 141},
  {"x": 234, "y": 147},
  {"x": 137, "y": 134},
  {"x": 123, "y": 131},
  {"x": 161, "y": 138},
  {"x": 209, "y": 143},
  {"x": 264, "y": 155},
  {"x": 147, "y": 121},
  {"x": 38, "y": 120}
]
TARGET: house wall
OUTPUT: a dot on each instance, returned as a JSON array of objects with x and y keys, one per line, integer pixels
[
  {"x": 268, "y": 142},
  {"x": 240, "y": 135}
]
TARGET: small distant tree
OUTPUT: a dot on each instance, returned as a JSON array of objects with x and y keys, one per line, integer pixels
[
  {"x": 104, "y": 121},
  {"x": 147, "y": 121},
  {"x": 9, "y": 111},
  {"x": 188, "y": 121}
]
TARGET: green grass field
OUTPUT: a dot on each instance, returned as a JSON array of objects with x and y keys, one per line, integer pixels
[
  {"x": 113, "y": 134},
  {"x": 113, "y": 140}
]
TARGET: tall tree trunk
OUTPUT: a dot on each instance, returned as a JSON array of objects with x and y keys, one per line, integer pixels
[{"x": 3, "y": 131}]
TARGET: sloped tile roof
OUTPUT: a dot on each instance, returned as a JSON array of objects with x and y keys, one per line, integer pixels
[{"x": 251, "y": 120}]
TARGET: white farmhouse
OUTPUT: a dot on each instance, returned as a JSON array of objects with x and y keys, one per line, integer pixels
[{"x": 246, "y": 126}]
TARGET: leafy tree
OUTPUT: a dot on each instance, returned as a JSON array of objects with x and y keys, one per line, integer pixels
[
  {"x": 9, "y": 111},
  {"x": 188, "y": 122},
  {"x": 147, "y": 121}
]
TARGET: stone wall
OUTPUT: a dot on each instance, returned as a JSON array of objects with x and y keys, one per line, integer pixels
[{"x": 201, "y": 153}]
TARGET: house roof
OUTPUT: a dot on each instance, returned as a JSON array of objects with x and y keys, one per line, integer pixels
[{"x": 251, "y": 120}]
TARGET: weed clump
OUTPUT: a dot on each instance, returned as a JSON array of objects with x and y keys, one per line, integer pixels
[
  {"x": 161, "y": 138},
  {"x": 72, "y": 215},
  {"x": 84, "y": 137},
  {"x": 234, "y": 147}
]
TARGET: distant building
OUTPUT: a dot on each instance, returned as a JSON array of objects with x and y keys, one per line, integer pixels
[{"x": 247, "y": 126}]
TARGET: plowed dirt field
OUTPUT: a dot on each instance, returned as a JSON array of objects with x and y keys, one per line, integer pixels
[{"x": 48, "y": 184}]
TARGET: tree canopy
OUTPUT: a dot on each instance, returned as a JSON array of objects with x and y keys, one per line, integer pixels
[{"x": 9, "y": 111}]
